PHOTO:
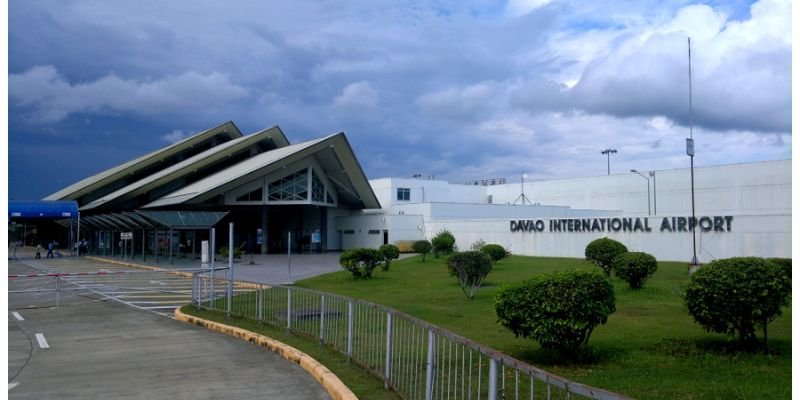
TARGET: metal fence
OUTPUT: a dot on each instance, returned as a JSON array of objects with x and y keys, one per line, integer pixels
[{"x": 416, "y": 359}]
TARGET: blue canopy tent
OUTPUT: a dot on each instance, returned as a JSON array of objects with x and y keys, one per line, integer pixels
[{"x": 46, "y": 210}]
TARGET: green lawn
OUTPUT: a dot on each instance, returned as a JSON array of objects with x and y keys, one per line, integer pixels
[{"x": 649, "y": 349}]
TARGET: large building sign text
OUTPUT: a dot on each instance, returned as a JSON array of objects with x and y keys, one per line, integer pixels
[{"x": 633, "y": 224}]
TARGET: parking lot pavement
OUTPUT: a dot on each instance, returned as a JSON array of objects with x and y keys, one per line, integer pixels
[{"x": 92, "y": 348}]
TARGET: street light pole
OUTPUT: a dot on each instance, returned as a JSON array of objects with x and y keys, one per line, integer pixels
[
  {"x": 690, "y": 152},
  {"x": 648, "y": 189},
  {"x": 655, "y": 197},
  {"x": 608, "y": 153}
]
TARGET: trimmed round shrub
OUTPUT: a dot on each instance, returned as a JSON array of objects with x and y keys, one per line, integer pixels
[
  {"x": 559, "y": 310},
  {"x": 360, "y": 262},
  {"x": 390, "y": 252},
  {"x": 635, "y": 268},
  {"x": 422, "y": 247},
  {"x": 735, "y": 295},
  {"x": 471, "y": 268},
  {"x": 443, "y": 243},
  {"x": 494, "y": 251},
  {"x": 785, "y": 263},
  {"x": 602, "y": 252}
]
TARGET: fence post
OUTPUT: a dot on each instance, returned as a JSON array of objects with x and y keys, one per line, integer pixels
[
  {"x": 58, "y": 290},
  {"x": 492, "y": 395},
  {"x": 429, "y": 367},
  {"x": 322, "y": 320},
  {"x": 349, "y": 330},
  {"x": 260, "y": 303},
  {"x": 230, "y": 265},
  {"x": 288, "y": 309},
  {"x": 388, "y": 369}
]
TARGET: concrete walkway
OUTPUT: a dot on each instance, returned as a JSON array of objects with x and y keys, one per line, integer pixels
[{"x": 98, "y": 349}]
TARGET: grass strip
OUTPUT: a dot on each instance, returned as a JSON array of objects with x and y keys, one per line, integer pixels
[{"x": 363, "y": 383}]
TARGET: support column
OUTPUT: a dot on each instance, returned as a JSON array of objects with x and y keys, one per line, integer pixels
[
  {"x": 323, "y": 229},
  {"x": 264, "y": 229}
]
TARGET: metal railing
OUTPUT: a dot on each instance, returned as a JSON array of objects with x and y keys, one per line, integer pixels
[{"x": 416, "y": 359}]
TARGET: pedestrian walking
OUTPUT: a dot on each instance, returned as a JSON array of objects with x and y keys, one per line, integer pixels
[
  {"x": 50, "y": 250},
  {"x": 38, "y": 250}
]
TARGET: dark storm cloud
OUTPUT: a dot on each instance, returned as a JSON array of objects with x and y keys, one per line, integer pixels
[{"x": 452, "y": 89}]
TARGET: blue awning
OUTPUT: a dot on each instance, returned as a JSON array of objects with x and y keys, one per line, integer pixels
[{"x": 42, "y": 209}]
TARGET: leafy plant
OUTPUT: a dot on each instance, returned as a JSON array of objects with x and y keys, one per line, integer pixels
[
  {"x": 785, "y": 263},
  {"x": 477, "y": 245},
  {"x": 361, "y": 261},
  {"x": 237, "y": 251},
  {"x": 422, "y": 247},
  {"x": 471, "y": 268},
  {"x": 559, "y": 310},
  {"x": 635, "y": 268},
  {"x": 736, "y": 295},
  {"x": 602, "y": 253},
  {"x": 390, "y": 252},
  {"x": 443, "y": 243},
  {"x": 494, "y": 251}
]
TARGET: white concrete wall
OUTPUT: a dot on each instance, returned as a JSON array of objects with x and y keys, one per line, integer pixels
[
  {"x": 439, "y": 211},
  {"x": 766, "y": 235},
  {"x": 400, "y": 227},
  {"x": 426, "y": 191},
  {"x": 751, "y": 188}
]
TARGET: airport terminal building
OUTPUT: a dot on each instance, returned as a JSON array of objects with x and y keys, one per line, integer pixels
[{"x": 314, "y": 196}]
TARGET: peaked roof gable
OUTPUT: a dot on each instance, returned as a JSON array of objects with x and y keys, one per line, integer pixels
[{"x": 108, "y": 177}]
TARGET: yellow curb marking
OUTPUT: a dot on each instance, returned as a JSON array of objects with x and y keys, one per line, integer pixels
[{"x": 332, "y": 384}]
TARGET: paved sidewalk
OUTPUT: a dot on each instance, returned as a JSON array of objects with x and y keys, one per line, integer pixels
[{"x": 262, "y": 268}]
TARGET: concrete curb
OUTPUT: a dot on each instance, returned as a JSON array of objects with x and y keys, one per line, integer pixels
[
  {"x": 332, "y": 384},
  {"x": 169, "y": 271}
]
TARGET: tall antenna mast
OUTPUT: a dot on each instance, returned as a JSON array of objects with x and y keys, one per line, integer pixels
[
  {"x": 690, "y": 152},
  {"x": 522, "y": 198}
]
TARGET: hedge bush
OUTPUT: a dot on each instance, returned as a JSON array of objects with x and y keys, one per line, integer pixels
[
  {"x": 443, "y": 243},
  {"x": 735, "y": 295},
  {"x": 602, "y": 253},
  {"x": 785, "y": 263},
  {"x": 635, "y": 268},
  {"x": 360, "y": 262},
  {"x": 559, "y": 310},
  {"x": 471, "y": 268},
  {"x": 390, "y": 252},
  {"x": 494, "y": 251},
  {"x": 422, "y": 247}
]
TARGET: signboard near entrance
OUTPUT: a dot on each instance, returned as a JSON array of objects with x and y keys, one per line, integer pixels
[{"x": 126, "y": 235}]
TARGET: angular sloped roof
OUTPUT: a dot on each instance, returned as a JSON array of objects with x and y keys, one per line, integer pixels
[
  {"x": 188, "y": 166},
  {"x": 111, "y": 175},
  {"x": 333, "y": 152}
]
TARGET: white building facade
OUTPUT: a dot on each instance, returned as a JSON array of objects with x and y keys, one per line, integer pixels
[{"x": 741, "y": 210}]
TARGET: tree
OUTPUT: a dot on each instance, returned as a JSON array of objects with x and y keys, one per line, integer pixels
[
  {"x": 360, "y": 262},
  {"x": 494, "y": 251},
  {"x": 735, "y": 295},
  {"x": 559, "y": 310},
  {"x": 635, "y": 268},
  {"x": 602, "y": 253},
  {"x": 422, "y": 247},
  {"x": 471, "y": 268},
  {"x": 443, "y": 243},
  {"x": 390, "y": 252}
]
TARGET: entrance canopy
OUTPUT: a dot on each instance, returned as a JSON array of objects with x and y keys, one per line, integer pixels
[
  {"x": 155, "y": 220},
  {"x": 42, "y": 209}
]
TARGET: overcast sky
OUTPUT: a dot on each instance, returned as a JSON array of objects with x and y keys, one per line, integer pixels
[{"x": 459, "y": 90}]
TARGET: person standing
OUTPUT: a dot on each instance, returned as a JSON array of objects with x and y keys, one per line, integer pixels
[
  {"x": 50, "y": 250},
  {"x": 38, "y": 250}
]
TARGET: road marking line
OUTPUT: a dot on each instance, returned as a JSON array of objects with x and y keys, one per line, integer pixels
[
  {"x": 12, "y": 385},
  {"x": 42, "y": 341},
  {"x": 17, "y": 316}
]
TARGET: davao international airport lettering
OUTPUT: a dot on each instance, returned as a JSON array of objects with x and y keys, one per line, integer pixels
[{"x": 638, "y": 224}]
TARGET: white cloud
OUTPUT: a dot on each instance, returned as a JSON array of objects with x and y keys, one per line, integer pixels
[
  {"x": 460, "y": 102},
  {"x": 176, "y": 136},
  {"x": 52, "y": 98},
  {"x": 357, "y": 95},
  {"x": 517, "y": 8}
]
